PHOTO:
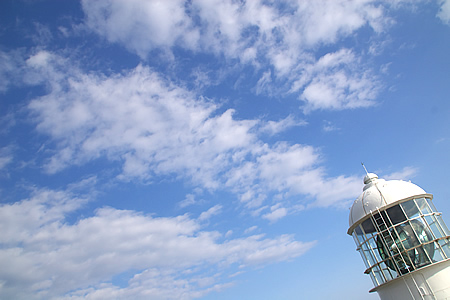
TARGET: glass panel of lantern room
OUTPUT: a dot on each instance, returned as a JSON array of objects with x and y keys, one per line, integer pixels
[
  {"x": 395, "y": 247},
  {"x": 410, "y": 208},
  {"x": 362, "y": 251},
  {"x": 395, "y": 215},
  {"x": 374, "y": 249},
  {"x": 439, "y": 254},
  {"x": 442, "y": 225},
  {"x": 388, "y": 273},
  {"x": 430, "y": 204},
  {"x": 378, "y": 276},
  {"x": 437, "y": 225},
  {"x": 423, "y": 206},
  {"x": 445, "y": 245},
  {"x": 434, "y": 226},
  {"x": 368, "y": 254},
  {"x": 358, "y": 235},
  {"x": 424, "y": 254},
  {"x": 368, "y": 227},
  {"x": 374, "y": 280},
  {"x": 364, "y": 258},
  {"x": 356, "y": 239}
]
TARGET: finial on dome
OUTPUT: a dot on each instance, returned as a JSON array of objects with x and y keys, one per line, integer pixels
[
  {"x": 370, "y": 177},
  {"x": 364, "y": 168}
]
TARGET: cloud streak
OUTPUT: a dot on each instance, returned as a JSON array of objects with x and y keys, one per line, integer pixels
[
  {"x": 277, "y": 38},
  {"x": 152, "y": 127},
  {"x": 44, "y": 256},
  {"x": 444, "y": 12}
]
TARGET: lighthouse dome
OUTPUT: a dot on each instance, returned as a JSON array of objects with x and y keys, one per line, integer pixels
[{"x": 380, "y": 193}]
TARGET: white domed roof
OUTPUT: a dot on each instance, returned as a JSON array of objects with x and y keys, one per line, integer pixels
[{"x": 378, "y": 193}]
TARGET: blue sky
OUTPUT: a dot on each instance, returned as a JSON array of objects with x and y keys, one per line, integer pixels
[{"x": 210, "y": 149}]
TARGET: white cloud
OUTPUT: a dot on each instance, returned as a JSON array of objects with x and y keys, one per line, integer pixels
[
  {"x": 276, "y": 213},
  {"x": 329, "y": 126},
  {"x": 149, "y": 124},
  {"x": 151, "y": 284},
  {"x": 275, "y": 127},
  {"x": 329, "y": 20},
  {"x": 215, "y": 210},
  {"x": 332, "y": 191},
  {"x": 142, "y": 25},
  {"x": 6, "y": 156},
  {"x": 43, "y": 256},
  {"x": 444, "y": 11},
  {"x": 335, "y": 81},
  {"x": 406, "y": 173},
  {"x": 155, "y": 128},
  {"x": 229, "y": 27},
  {"x": 189, "y": 200},
  {"x": 250, "y": 229},
  {"x": 11, "y": 69},
  {"x": 278, "y": 37},
  {"x": 264, "y": 83},
  {"x": 22, "y": 220}
]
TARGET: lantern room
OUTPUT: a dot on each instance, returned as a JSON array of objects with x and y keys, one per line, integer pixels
[{"x": 402, "y": 240}]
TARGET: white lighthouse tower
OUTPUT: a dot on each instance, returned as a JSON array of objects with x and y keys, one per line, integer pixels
[{"x": 402, "y": 240}]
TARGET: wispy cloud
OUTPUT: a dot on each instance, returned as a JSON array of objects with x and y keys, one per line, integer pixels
[
  {"x": 276, "y": 212},
  {"x": 404, "y": 174},
  {"x": 156, "y": 128},
  {"x": 230, "y": 27},
  {"x": 275, "y": 127},
  {"x": 11, "y": 69},
  {"x": 43, "y": 256},
  {"x": 444, "y": 12},
  {"x": 188, "y": 201},
  {"x": 215, "y": 210},
  {"x": 336, "y": 81},
  {"x": 6, "y": 156},
  {"x": 329, "y": 126},
  {"x": 279, "y": 40}
]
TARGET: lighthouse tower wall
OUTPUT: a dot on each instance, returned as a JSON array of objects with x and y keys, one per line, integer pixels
[{"x": 429, "y": 283}]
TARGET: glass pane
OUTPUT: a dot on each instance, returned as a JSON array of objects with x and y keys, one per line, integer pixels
[
  {"x": 358, "y": 230},
  {"x": 437, "y": 226},
  {"x": 436, "y": 229},
  {"x": 396, "y": 215},
  {"x": 358, "y": 235},
  {"x": 355, "y": 238},
  {"x": 374, "y": 248},
  {"x": 370, "y": 235},
  {"x": 368, "y": 227},
  {"x": 445, "y": 244},
  {"x": 369, "y": 254},
  {"x": 372, "y": 276},
  {"x": 370, "y": 258},
  {"x": 410, "y": 209},
  {"x": 423, "y": 206},
  {"x": 364, "y": 258},
  {"x": 378, "y": 275},
  {"x": 430, "y": 204},
  {"x": 365, "y": 255},
  {"x": 439, "y": 255},
  {"x": 443, "y": 226},
  {"x": 389, "y": 274}
]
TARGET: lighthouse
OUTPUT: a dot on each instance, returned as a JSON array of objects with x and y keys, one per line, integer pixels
[{"x": 402, "y": 240}]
